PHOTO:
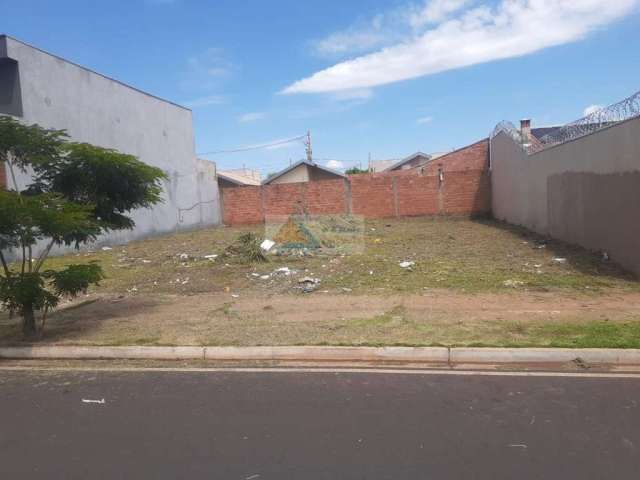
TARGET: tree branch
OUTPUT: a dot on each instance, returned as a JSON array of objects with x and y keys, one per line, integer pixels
[
  {"x": 43, "y": 256},
  {"x": 7, "y": 272}
]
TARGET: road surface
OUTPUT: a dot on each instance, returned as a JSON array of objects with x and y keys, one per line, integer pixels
[{"x": 295, "y": 425}]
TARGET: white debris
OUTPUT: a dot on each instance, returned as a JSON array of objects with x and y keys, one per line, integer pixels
[
  {"x": 267, "y": 245},
  {"x": 100, "y": 402},
  {"x": 265, "y": 277},
  {"x": 184, "y": 256},
  {"x": 235, "y": 295},
  {"x": 106, "y": 249},
  {"x": 211, "y": 257},
  {"x": 255, "y": 275},
  {"x": 146, "y": 261},
  {"x": 513, "y": 283},
  {"x": 407, "y": 264},
  {"x": 560, "y": 260},
  {"x": 284, "y": 270},
  {"x": 309, "y": 280}
]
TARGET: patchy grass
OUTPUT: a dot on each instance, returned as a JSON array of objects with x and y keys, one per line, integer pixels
[
  {"x": 450, "y": 253},
  {"x": 474, "y": 283}
]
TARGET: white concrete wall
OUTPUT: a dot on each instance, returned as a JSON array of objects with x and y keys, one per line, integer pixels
[
  {"x": 104, "y": 112},
  {"x": 585, "y": 191}
]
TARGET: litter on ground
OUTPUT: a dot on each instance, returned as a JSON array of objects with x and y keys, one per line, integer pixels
[{"x": 267, "y": 245}]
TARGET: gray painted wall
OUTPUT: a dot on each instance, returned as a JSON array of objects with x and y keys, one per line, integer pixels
[
  {"x": 585, "y": 192},
  {"x": 102, "y": 111}
]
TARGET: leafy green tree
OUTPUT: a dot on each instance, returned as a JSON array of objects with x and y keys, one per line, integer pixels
[
  {"x": 355, "y": 171},
  {"x": 77, "y": 192}
]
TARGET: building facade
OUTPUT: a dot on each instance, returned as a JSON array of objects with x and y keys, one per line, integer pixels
[{"x": 40, "y": 88}]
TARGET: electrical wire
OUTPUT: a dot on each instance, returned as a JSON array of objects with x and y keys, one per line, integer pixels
[{"x": 255, "y": 147}]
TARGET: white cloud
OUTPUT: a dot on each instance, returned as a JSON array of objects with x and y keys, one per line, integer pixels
[
  {"x": 340, "y": 43},
  {"x": 213, "y": 62},
  {"x": 592, "y": 109},
  {"x": 206, "y": 101},
  {"x": 335, "y": 164},
  {"x": 252, "y": 117},
  {"x": 435, "y": 11},
  {"x": 207, "y": 70},
  {"x": 424, "y": 120},
  {"x": 475, "y": 35},
  {"x": 362, "y": 94}
]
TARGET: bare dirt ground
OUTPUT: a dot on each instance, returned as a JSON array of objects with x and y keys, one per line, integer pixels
[{"x": 473, "y": 283}]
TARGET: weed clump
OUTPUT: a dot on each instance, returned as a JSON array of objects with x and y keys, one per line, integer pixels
[{"x": 246, "y": 249}]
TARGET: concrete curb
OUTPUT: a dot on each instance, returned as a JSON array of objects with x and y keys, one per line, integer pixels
[
  {"x": 414, "y": 355},
  {"x": 545, "y": 355}
]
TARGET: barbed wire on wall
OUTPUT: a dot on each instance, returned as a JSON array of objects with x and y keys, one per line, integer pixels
[{"x": 602, "y": 118}]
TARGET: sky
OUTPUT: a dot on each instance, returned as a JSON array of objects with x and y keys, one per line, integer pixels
[{"x": 366, "y": 78}]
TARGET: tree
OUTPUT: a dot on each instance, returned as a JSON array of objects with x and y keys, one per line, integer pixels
[
  {"x": 77, "y": 192},
  {"x": 355, "y": 171}
]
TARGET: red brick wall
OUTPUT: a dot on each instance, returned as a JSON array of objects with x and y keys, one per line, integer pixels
[
  {"x": 465, "y": 189},
  {"x": 466, "y": 192},
  {"x": 328, "y": 196},
  {"x": 242, "y": 205},
  {"x": 417, "y": 195},
  {"x": 284, "y": 198},
  {"x": 472, "y": 157},
  {"x": 372, "y": 196}
]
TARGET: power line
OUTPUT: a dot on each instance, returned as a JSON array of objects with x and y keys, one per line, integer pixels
[{"x": 255, "y": 147}]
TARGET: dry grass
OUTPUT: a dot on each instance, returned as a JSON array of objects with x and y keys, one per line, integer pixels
[
  {"x": 457, "y": 254},
  {"x": 474, "y": 283}
]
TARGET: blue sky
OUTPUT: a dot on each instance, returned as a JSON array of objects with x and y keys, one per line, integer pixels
[{"x": 381, "y": 77}]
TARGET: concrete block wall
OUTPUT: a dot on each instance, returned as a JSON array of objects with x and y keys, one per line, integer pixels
[
  {"x": 585, "y": 191},
  {"x": 93, "y": 108}
]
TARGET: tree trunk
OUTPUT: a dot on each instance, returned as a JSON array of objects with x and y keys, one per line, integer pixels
[{"x": 29, "y": 328}]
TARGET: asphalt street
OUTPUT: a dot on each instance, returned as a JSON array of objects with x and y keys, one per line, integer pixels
[{"x": 300, "y": 425}]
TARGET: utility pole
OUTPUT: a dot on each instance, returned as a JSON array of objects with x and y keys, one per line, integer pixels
[{"x": 307, "y": 144}]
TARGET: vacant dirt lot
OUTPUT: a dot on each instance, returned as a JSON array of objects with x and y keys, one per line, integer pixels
[{"x": 473, "y": 283}]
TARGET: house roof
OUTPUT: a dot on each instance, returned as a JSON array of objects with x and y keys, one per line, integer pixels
[
  {"x": 542, "y": 131},
  {"x": 399, "y": 163},
  {"x": 381, "y": 165},
  {"x": 237, "y": 179},
  {"x": 296, "y": 165}
]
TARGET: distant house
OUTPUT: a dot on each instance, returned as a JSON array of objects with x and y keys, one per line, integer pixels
[
  {"x": 238, "y": 178},
  {"x": 377, "y": 166},
  {"x": 412, "y": 161},
  {"x": 534, "y": 135},
  {"x": 303, "y": 171},
  {"x": 470, "y": 157}
]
